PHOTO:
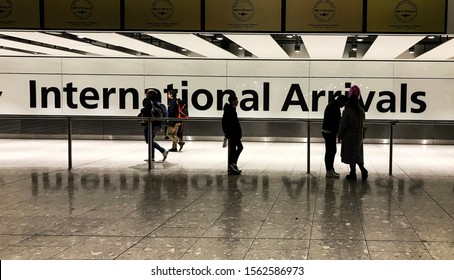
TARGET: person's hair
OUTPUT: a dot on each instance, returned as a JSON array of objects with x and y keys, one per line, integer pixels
[
  {"x": 232, "y": 97},
  {"x": 172, "y": 92},
  {"x": 354, "y": 90},
  {"x": 341, "y": 99},
  {"x": 153, "y": 94}
]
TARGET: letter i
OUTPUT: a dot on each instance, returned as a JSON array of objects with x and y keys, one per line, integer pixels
[
  {"x": 348, "y": 85},
  {"x": 266, "y": 96},
  {"x": 403, "y": 98},
  {"x": 32, "y": 94},
  {"x": 184, "y": 91}
]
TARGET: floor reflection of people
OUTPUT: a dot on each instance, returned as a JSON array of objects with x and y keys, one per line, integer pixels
[
  {"x": 232, "y": 222},
  {"x": 330, "y": 200}
]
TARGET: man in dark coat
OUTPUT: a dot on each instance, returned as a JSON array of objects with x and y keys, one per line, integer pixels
[
  {"x": 330, "y": 128},
  {"x": 232, "y": 131}
]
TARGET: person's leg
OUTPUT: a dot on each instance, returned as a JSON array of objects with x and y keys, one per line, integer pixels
[
  {"x": 330, "y": 150},
  {"x": 171, "y": 133},
  {"x": 352, "y": 175},
  {"x": 360, "y": 162},
  {"x": 180, "y": 141},
  {"x": 156, "y": 145},
  {"x": 239, "y": 149},
  {"x": 233, "y": 155},
  {"x": 145, "y": 134}
]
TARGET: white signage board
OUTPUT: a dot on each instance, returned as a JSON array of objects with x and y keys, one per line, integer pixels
[{"x": 266, "y": 88}]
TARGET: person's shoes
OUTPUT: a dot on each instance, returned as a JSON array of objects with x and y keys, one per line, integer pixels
[
  {"x": 335, "y": 172},
  {"x": 236, "y": 167},
  {"x": 331, "y": 174},
  {"x": 173, "y": 150},
  {"x": 233, "y": 170},
  {"x": 164, "y": 155},
  {"x": 364, "y": 174},
  {"x": 147, "y": 159},
  {"x": 181, "y": 145},
  {"x": 351, "y": 176}
]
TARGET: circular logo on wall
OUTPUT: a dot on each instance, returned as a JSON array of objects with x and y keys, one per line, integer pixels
[
  {"x": 82, "y": 9},
  {"x": 406, "y": 11},
  {"x": 5, "y": 8},
  {"x": 243, "y": 10},
  {"x": 324, "y": 10},
  {"x": 162, "y": 9}
]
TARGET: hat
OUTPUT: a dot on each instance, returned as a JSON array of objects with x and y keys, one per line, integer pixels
[{"x": 354, "y": 90}]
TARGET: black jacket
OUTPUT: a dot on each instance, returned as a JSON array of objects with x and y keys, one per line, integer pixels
[
  {"x": 173, "y": 110},
  {"x": 230, "y": 123},
  {"x": 332, "y": 117}
]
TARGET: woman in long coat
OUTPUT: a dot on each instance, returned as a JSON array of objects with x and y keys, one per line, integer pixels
[{"x": 351, "y": 134}]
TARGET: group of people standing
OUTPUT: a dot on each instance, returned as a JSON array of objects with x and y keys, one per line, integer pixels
[
  {"x": 173, "y": 129},
  {"x": 347, "y": 128}
]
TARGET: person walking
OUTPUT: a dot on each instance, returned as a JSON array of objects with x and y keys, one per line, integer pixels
[
  {"x": 232, "y": 131},
  {"x": 351, "y": 135},
  {"x": 150, "y": 101},
  {"x": 330, "y": 128},
  {"x": 173, "y": 127}
]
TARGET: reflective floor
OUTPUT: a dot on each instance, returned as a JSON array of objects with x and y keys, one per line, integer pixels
[{"x": 111, "y": 207}]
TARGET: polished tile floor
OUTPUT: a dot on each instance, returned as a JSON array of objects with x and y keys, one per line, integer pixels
[{"x": 110, "y": 207}]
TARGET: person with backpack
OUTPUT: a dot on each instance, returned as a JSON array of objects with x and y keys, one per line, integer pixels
[
  {"x": 153, "y": 108},
  {"x": 174, "y": 126}
]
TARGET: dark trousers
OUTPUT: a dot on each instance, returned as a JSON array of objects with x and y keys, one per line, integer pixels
[
  {"x": 235, "y": 149},
  {"x": 154, "y": 144},
  {"x": 330, "y": 149}
]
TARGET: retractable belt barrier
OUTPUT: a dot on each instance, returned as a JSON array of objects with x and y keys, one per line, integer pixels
[{"x": 149, "y": 120}]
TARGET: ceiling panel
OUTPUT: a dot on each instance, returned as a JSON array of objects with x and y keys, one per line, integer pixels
[
  {"x": 11, "y": 52},
  {"x": 262, "y": 46},
  {"x": 390, "y": 47},
  {"x": 34, "y": 48},
  {"x": 65, "y": 42},
  {"x": 193, "y": 43},
  {"x": 130, "y": 43},
  {"x": 443, "y": 51},
  {"x": 325, "y": 47}
]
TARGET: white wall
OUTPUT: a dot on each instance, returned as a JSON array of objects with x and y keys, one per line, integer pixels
[{"x": 391, "y": 90}]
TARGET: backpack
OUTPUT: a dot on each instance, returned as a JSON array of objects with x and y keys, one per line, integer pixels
[
  {"x": 156, "y": 111},
  {"x": 182, "y": 109},
  {"x": 163, "y": 108}
]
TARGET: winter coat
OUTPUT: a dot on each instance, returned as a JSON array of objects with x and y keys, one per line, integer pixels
[
  {"x": 230, "y": 123},
  {"x": 351, "y": 135}
]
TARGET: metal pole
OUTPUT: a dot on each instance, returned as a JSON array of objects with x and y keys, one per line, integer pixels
[
  {"x": 391, "y": 138},
  {"x": 308, "y": 146},
  {"x": 70, "y": 152},
  {"x": 150, "y": 143},
  {"x": 228, "y": 154}
]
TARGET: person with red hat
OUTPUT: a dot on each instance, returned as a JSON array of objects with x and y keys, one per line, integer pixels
[{"x": 351, "y": 134}]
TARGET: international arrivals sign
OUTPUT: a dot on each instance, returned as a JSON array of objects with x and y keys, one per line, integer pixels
[{"x": 261, "y": 95}]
